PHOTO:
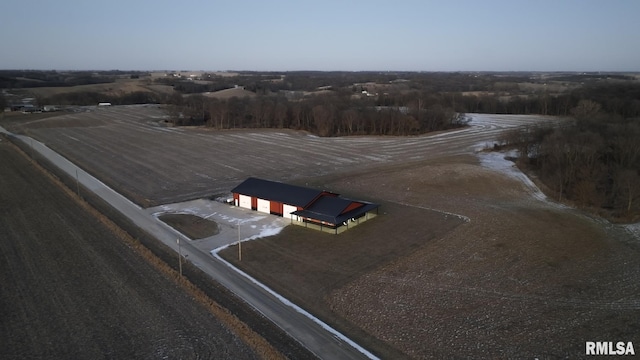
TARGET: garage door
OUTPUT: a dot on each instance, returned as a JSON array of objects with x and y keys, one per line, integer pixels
[
  {"x": 287, "y": 210},
  {"x": 245, "y": 201},
  {"x": 264, "y": 206}
]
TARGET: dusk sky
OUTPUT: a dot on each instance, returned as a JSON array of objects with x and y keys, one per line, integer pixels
[{"x": 473, "y": 35}]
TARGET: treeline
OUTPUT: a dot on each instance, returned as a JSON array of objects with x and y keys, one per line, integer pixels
[
  {"x": 254, "y": 82},
  {"x": 15, "y": 79},
  {"x": 184, "y": 86},
  {"x": 492, "y": 93},
  {"x": 269, "y": 83},
  {"x": 335, "y": 114},
  {"x": 593, "y": 160},
  {"x": 621, "y": 99},
  {"x": 83, "y": 98}
]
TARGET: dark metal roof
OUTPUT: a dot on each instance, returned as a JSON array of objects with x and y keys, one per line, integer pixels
[
  {"x": 329, "y": 205},
  {"x": 316, "y": 204},
  {"x": 330, "y": 209},
  {"x": 277, "y": 191}
]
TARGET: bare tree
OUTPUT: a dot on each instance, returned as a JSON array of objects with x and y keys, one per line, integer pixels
[
  {"x": 257, "y": 113},
  {"x": 585, "y": 109},
  {"x": 348, "y": 118},
  {"x": 296, "y": 114},
  {"x": 557, "y": 165},
  {"x": 627, "y": 145},
  {"x": 3, "y": 102},
  {"x": 627, "y": 183},
  {"x": 280, "y": 114},
  {"x": 323, "y": 118}
]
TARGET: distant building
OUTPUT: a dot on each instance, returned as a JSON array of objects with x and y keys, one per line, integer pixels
[
  {"x": 26, "y": 105},
  {"x": 28, "y": 108},
  {"x": 293, "y": 94},
  {"x": 49, "y": 108},
  {"x": 402, "y": 109},
  {"x": 25, "y": 108}
]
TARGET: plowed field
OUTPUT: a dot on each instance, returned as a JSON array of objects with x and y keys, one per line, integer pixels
[
  {"x": 524, "y": 278},
  {"x": 72, "y": 290},
  {"x": 126, "y": 147}
]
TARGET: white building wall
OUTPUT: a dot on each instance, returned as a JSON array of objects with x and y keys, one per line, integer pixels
[
  {"x": 264, "y": 206},
  {"x": 287, "y": 210},
  {"x": 245, "y": 201}
]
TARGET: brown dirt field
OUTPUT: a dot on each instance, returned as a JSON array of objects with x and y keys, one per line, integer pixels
[
  {"x": 152, "y": 165},
  {"x": 229, "y": 93},
  {"x": 193, "y": 226},
  {"x": 253, "y": 327},
  {"x": 158, "y": 88},
  {"x": 306, "y": 266},
  {"x": 114, "y": 88},
  {"x": 524, "y": 278},
  {"x": 71, "y": 289},
  {"x": 54, "y": 120},
  {"x": 17, "y": 118}
]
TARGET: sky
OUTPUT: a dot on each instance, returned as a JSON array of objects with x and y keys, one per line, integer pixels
[{"x": 347, "y": 35}]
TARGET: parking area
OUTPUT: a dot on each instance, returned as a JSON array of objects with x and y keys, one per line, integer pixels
[{"x": 233, "y": 222}]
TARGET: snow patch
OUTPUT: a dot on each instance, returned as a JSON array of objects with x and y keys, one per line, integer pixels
[
  {"x": 497, "y": 161},
  {"x": 205, "y": 209},
  {"x": 252, "y": 225},
  {"x": 634, "y": 229},
  {"x": 265, "y": 231}
]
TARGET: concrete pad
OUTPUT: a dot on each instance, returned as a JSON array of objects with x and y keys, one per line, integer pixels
[{"x": 252, "y": 224}]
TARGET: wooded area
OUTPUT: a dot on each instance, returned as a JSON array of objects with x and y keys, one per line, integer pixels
[
  {"x": 334, "y": 114},
  {"x": 18, "y": 79},
  {"x": 594, "y": 160},
  {"x": 354, "y": 103}
]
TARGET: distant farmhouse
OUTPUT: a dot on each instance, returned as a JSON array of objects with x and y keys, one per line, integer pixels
[
  {"x": 318, "y": 209},
  {"x": 26, "y": 105}
]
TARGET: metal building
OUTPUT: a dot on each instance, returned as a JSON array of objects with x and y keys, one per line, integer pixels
[{"x": 302, "y": 205}]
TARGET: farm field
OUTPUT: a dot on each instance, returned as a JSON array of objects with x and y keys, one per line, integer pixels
[
  {"x": 71, "y": 289},
  {"x": 523, "y": 277},
  {"x": 119, "y": 87},
  {"x": 128, "y": 149}
]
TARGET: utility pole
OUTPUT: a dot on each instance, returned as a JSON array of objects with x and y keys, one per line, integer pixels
[
  {"x": 239, "y": 243},
  {"x": 179, "y": 256}
]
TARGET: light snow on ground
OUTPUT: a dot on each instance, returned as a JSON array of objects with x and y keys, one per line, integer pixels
[
  {"x": 634, "y": 229},
  {"x": 496, "y": 161},
  {"x": 253, "y": 225}
]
